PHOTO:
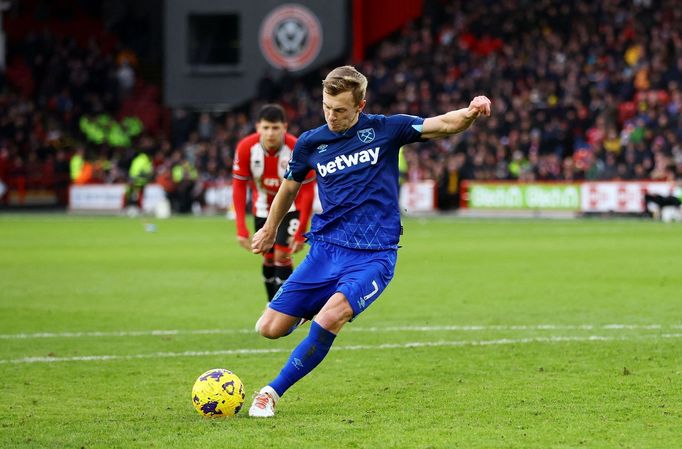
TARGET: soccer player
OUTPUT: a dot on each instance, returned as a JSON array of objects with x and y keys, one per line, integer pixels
[
  {"x": 354, "y": 241},
  {"x": 261, "y": 160}
]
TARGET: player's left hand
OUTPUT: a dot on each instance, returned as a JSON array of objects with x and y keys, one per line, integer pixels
[{"x": 480, "y": 105}]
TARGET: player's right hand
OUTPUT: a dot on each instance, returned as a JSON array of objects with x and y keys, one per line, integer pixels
[
  {"x": 480, "y": 105},
  {"x": 262, "y": 241},
  {"x": 244, "y": 242},
  {"x": 296, "y": 244}
]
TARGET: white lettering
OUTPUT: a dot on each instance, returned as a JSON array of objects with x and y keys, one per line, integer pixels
[
  {"x": 350, "y": 160},
  {"x": 375, "y": 155},
  {"x": 339, "y": 163},
  {"x": 343, "y": 162}
]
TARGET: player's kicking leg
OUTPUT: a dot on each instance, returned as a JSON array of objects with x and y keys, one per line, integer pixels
[
  {"x": 273, "y": 324},
  {"x": 307, "y": 355},
  {"x": 317, "y": 289}
]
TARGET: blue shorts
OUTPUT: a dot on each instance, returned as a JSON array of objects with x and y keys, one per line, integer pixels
[{"x": 361, "y": 275}]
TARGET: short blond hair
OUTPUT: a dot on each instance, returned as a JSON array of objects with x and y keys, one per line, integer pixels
[{"x": 346, "y": 79}]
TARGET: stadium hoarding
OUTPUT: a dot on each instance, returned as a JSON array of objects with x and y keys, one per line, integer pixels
[
  {"x": 620, "y": 196},
  {"x": 97, "y": 197},
  {"x": 582, "y": 197},
  {"x": 418, "y": 197},
  {"x": 110, "y": 197},
  {"x": 521, "y": 196}
]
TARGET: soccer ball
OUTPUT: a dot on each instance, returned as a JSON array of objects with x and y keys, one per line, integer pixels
[{"x": 218, "y": 392}]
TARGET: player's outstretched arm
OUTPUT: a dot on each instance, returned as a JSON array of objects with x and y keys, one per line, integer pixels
[
  {"x": 457, "y": 121},
  {"x": 265, "y": 237}
]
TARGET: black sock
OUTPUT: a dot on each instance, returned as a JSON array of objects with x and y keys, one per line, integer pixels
[
  {"x": 271, "y": 285},
  {"x": 282, "y": 273}
]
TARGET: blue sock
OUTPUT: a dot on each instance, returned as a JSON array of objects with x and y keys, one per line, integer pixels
[{"x": 307, "y": 355}]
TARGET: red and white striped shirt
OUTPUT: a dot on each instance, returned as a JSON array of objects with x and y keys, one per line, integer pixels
[{"x": 264, "y": 170}]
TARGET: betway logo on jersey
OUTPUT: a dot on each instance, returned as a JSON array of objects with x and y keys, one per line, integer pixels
[{"x": 343, "y": 162}]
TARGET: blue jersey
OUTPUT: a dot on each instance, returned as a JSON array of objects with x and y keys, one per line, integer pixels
[{"x": 357, "y": 178}]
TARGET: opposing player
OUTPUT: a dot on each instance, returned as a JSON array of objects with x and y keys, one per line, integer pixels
[
  {"x": 354, "y": 241},
  {"x": 261, "y": 160}
]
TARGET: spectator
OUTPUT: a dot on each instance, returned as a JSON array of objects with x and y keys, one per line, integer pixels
[
  {"x": 570, "y": 103},
  {"x": 140, "y": 174},
  {"x": 184, "y": 176},
  {"x": 449, "y": 182}
]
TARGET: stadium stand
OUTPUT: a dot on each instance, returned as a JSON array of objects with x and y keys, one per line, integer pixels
[{"x": 581, "y": 91}]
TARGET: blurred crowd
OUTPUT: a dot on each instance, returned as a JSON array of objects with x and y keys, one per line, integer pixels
[
  {"x": 52, "y": 88},
  {"x": 580, "y": 90}
]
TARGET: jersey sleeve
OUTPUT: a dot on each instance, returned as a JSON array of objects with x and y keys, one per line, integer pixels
[
  {"x": 290, "y": 140},
  {"x": 405, "y": 128},
  {"x": 304, "y": 203},
  {"x": 239, "y": 202},
  {"x": 299, "y": 167},
  {"x": 241, "y": 168}
]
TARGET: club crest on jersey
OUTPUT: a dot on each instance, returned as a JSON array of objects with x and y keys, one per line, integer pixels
[{"x": 366, "y": 135}]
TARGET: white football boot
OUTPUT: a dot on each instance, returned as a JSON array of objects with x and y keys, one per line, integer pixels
[{"x": 264, "y": 403}]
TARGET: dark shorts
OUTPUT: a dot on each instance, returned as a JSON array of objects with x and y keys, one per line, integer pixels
[
  {"x": 286, "y": 230},
  {"x": 360, "y": 275}
]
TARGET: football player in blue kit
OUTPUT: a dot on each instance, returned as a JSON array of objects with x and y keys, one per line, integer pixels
[{"x": 354, "y": 241}]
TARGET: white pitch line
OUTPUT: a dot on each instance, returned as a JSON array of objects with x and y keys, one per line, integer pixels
[
  {"x": 532, "y": 327},
  {"x": 418, "y": 344},
  {"x": 375, "y": 329},
  {"x": 158, "y": 332}
]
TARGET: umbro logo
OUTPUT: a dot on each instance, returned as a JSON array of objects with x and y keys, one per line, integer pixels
[
  {"x": 366, "y": 135},
  {"x": 362, "y": 302},
  {"x": 322, "y": 148},
  {"x": 297, "y": 362}
]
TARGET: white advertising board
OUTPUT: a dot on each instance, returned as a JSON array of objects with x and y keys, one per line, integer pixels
[
  {"x": 110, "y": 197},
  {"x": 417, "y": 197},
  {"x": 620, "y": 197},
  {"x": 219, "y": 196},
  {"x": 97, "y": 197}
]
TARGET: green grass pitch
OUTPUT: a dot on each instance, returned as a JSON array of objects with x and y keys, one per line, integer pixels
[{"x": 493, "y": 334}]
